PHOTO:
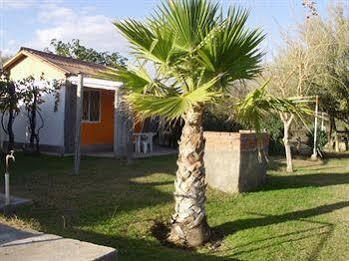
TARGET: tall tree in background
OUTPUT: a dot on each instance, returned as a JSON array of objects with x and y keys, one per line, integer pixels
[
  {"x": 197, "y": 53},
  {"x": 75, "y": 50},
  {"x": 293, "y": 68},
  {"x": 4, "y": 58},
  {"x": 331, "y": 74}
]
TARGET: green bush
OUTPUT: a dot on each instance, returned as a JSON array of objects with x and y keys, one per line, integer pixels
[
  {"x": 215, "y": 120},
  {"x": 321, "y": 138},
  {"x": 275, "y": 128}
]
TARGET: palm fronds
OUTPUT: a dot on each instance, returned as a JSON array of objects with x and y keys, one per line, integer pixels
[
  {"x": 196, "y": 51},
  {"x": 260, "y": 104}
]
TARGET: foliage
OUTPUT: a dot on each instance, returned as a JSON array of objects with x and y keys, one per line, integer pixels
[
  {"x": 9, "y": 93},
  {"x": 330, "y": 40},
  {"x": 29, "y": 93},
  {"x": 260, "y": 104},
  {"x": 32, "y": 95},
  {"x": 321, "y": 139},
  {"x": 218, "y": 120},
  {"x": 196, "y": 51},
  {"x": 10, "y": 97},
  {"x": 75, "y": 50},
  {"x": 275, "y": 128},
  {"x": 4, "y": 58}
]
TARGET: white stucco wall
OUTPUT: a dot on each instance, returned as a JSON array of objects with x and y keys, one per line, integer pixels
[{"x": 53, "y": 131}]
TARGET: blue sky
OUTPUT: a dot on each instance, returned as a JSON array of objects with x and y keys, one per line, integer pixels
[{"x": 33, "y": 23}]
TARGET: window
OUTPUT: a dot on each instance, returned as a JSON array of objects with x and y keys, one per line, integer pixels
[{"x": 91, "y": 106}]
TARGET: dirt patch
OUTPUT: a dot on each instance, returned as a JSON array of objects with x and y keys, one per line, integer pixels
[{"x": 161, "y": 230}]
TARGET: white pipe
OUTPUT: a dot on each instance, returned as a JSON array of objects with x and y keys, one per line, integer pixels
[
  {"x": 314, "y": 156},
  {"x": 7, "y": 189},
  {"x": 322, "y": 121}
]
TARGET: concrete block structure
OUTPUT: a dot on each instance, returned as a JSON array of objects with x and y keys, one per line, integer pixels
[{"x": 235, "y": 162}]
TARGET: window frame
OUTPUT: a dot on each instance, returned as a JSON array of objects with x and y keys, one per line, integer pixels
[{"x": 89, "y": 106}]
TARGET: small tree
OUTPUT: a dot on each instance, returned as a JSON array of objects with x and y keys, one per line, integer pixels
[
  {"x": 291, "y": 71},
  {"x": 9, "y": 106},
  {"x": 32, "y": 94}
]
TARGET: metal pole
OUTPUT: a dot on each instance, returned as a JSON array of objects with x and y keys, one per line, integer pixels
[
  {"x": 314, "y": 156},
  {"x": 7, "y": 178},
  {"x": 7, "y": 189},
  {"x": 79, "y": 102}
]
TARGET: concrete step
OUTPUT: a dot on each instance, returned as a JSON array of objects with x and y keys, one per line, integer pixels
[{"x": 23, "y": 245}]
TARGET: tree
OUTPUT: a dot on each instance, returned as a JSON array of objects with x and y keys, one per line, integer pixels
[
  {"x": 4, "y": 59},
  {"x": 28, "y": 92},
  {"x": 9, "y": 105},
  {"x": 75, "y": 50},
  {"x": 291, "y": 71},
  {"x": 331, "y": 73},
  {"x": 32, "y": 95},
  {"x": 197, "y": 53}
]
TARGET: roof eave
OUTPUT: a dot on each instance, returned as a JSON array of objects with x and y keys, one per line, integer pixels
[
  {"x": 21, "y": 53},
  {"x": 96, "y": 83}
]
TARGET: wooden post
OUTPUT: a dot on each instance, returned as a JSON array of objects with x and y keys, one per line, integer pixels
[
  {"x": 116, "y": 122},
  {"x": 79, "y": 102},
  {"x": 123, "y": 128}
]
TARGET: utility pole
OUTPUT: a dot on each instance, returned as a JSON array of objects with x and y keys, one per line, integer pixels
[{"x": 314, "y": 156}]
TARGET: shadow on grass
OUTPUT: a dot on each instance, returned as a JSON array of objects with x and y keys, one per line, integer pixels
[
  {"x": 266, "y": 220},
  {"x": 242, "y": 224},
  {"x": 133, "y": 248},
  {"x": 104, "y": 193},
  {"x": 107, "y": 193},
  {"x": 336, "y": 155},
  {"x": 275, "y": 182},
  {"x": 276, "y": 163},
  {"x": 272, "y": 242},
  {"x": 103, "y": 189}
]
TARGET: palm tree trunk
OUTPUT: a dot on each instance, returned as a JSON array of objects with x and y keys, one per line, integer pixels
[
  {"x": 287, "y": 120},
  {"x": 189, "y": 223}
]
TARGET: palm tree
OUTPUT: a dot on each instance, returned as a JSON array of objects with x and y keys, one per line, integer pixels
[{"x": 197, "y": 51}]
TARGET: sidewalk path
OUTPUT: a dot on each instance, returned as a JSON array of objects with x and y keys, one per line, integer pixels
[{"x": 21, "y": 245}]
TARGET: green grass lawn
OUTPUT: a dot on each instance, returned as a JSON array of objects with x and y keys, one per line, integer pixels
[{"x": 299, "y": 216}]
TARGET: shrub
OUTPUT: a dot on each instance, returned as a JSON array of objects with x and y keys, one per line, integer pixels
[
  {"x": 321, "y": 139},
  {"x": 216, "y": 120},
  {"x": 274, "y": 127}
]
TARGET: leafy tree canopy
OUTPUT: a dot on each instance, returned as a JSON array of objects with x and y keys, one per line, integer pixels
[
  {"x": 5, "y": 58},
  {"x": 76, "y": 50}
]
